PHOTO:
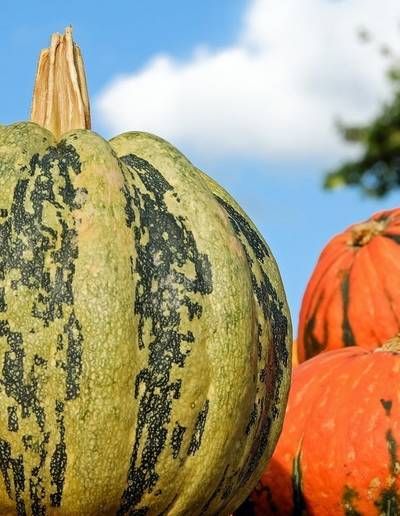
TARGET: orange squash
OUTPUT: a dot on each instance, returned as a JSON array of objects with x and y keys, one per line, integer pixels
[
  {"x": 295, "y": 357},
  {"x": 338, "y": 452},
  {"x": 353, "y": 296}
]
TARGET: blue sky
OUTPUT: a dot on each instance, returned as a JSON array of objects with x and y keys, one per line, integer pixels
[{"x": 247, "y": 89}]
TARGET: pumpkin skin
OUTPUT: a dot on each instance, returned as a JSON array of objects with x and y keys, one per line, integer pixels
[
  {"x": 338, "y": 451},
  {"x": 144, "y": 331},
  {"x": 352, "y": 297},
  {"x": 295, "y": 358}
]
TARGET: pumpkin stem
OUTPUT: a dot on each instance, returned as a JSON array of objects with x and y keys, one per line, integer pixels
[
  {"x": 392, "y": 345},
  {"x": 60, "y": 98},
  {"x": 362, "y": 233}
]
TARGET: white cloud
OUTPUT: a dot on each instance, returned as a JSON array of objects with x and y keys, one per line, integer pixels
[{"x": 295, "y": 67}]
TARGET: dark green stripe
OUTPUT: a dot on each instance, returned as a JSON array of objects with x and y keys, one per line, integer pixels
[
  {"x": 347, "y": 332},
  {"x": 26, "y": 242},
  {"x": 299, "y": 503},
  {"x": 274, "y": 318},
  {"x": 74, "y": 351},
  {"x": 12, "y": 419},
  {"x": 58, "y": 464},
  {"x": 392, "y": 448},
  {"x": 176, "y": 439},
  {"x": 312, "y": 345},
  {"x": 388, "y": 502},
  {"x": 252, "y": 419},
  {"x": 349, "y": 497},
  {"x": 387, "y": 405},
  {"x": 159, "y": 279},
  {"x": 3, "y": 305},
  {"x": 13, "y": 468},
  {"x": 197, "y": 435}
]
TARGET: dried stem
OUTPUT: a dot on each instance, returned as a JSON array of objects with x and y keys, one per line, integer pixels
[{"x": 60, "y": 98}]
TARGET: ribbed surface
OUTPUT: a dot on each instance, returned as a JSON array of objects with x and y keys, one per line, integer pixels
[
  {"x": 338, "y": 451},
  {"x": 144, "y": 331},
  {"x": 352, "y": 297}
]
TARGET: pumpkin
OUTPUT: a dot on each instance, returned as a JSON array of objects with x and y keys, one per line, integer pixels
[
  {"x": 144, "y": 331},
  {"x": 338, "y": 451},
  {"x": 353, "y": 296},
  {"x": 295, "y": 358}
]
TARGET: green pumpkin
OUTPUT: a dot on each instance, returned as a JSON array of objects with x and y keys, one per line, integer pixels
[{"x": 144, "y": 331}]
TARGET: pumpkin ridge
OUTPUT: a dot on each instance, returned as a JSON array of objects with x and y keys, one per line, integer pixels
[
  {"x": 162, "y": 156},
  {"x": 311, "y": 342},
  {"x": 369, "y": 273},
  {"x": 339, "y": 254},
  {"x": 315, "y": 390},
  {"x": 354, "y": 382},
  {"x": 372, "y": 312},
  {"x": 216, "y": 493},
  {"x": 155, "y": 218},
  {"x": 261, "y": 252},
  {"x": 392, "y": 262},
  {"x": 312, "y": 345},
  {"x": 388, "y": 296},
  {"x": 52, "y": 307},
  {"x": 325, "y": 300},
  {"x": 279, "y": 325}
]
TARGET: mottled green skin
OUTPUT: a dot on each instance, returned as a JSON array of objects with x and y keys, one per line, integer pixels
[{"x": 144, "y": 331}]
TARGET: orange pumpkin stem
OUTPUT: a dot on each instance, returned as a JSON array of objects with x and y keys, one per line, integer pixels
[
  {"x": 362, "y": 233},
  {"x": 60, "y": 97}
]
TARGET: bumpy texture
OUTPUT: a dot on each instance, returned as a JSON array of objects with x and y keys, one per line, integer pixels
[
  {"x": 338, "y": 453},
  {"x": 352, "y": 297},
  {"x": 144, "y": 332}
]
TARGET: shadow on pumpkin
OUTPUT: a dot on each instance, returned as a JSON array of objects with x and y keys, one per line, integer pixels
[{"x": 277, "y": 493}]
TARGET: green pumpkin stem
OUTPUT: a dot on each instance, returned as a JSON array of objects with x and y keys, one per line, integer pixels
[{"x": 60, "y": 98}]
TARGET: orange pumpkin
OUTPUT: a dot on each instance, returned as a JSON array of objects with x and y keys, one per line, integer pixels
[
  {"x": 295, "y": 358},
  {"x": 353, "y": 296},
  {"x": 338, "y": 451}
]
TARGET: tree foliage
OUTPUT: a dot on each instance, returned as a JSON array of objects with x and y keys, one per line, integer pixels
[{"x": 377, "y": 171}]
